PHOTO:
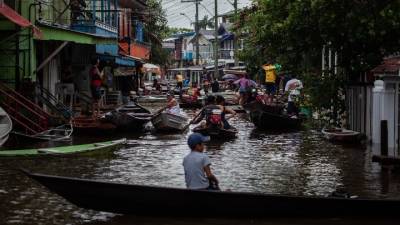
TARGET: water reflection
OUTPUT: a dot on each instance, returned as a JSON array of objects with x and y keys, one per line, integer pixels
[{"x": 296, "y": 163}]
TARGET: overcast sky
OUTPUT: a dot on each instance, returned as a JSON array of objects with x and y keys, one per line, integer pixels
[{"x": 175, "y": 7}]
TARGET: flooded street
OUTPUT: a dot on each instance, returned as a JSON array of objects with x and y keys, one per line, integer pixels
[{"x": 299, "y": 163}]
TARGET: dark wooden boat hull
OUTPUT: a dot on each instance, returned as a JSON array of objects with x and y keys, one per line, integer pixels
[
  {"x": 216, "y": 132},
  {"x": 257, "y": 106},
  {"x": 125, "y": 121},
  {"x": 190, "y": 105},
  {"x": 346, "y": 137},
  {"x": 269, "y": 121},
  {"x": 270, "y": 117},
  {"x": 150, "y": 200},
  {"x": 130, "y": 117}
]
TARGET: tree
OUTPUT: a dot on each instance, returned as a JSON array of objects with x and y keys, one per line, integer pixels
[
  {"x": 206, "y": 23},
  {"x": 294, "y": 32},
  {"x": 157, "y": 29},
  {"x": 177, "y": 30}
]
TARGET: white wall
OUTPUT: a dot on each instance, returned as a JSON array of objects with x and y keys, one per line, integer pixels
[{"x": 385, "y": 107}]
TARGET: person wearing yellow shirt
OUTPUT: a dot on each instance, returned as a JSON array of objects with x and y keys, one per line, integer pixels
[{"x": 270, "y": 78}]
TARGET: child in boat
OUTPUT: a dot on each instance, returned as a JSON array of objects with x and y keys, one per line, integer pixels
[
  {"x": 173, "y": 105},
  {"x": 220, "y": 100},
  {"x": 196, "y": 164}
]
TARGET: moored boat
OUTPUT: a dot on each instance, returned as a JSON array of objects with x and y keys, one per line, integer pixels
[
  {"x": 155, "y": 201},
  {"x": 187, "y": 102},
  {"x": 268, "y": 121},
  {"x": 129, "y": 117},
  {"x": 341, "y": 135},
  {"x": 216, "y": 132},
  {"x": 66, "y": 150},
  {"x": 60, "y": 133},
  {"x": 169, "y": 122},
  {"x": 92, "y": 125},
  {"x": 271, "y": 117},
  {"x": 5, "y": 126}
]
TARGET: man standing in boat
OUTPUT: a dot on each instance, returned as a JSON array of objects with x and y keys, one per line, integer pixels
[{"x": 196, "y": 164}]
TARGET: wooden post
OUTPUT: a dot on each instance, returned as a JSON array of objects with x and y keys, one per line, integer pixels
[{"x": 384, "y": 138}]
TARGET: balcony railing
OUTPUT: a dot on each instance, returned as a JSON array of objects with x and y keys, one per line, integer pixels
[{"x": 61, "y": 15}]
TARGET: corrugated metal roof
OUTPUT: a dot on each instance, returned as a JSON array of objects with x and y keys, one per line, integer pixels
[{"x": 390, "y": 66}]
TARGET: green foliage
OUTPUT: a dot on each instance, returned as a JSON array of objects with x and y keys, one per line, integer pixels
[
  {"x": 157, "y": 29},
  {"x": 177, "y": 30},
  {"x": 206, "y": 23},
  {"x": 293, "y": 33}
]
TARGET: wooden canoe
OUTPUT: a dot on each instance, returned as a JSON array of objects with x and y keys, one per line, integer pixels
[
  {"x": 130, "y": 117},
  {"x": 217, "y": 133},
  {"x": 271, "y": 121},
  {"x": 5, "y": 126},
  {"x": 188, "y": 103},
  {"x": 341, "y": 135},
  {"x": 155, "y": 201},
  {"x": 57, "y": 134},
  {"x": 169, "y": 122},
  {"x": 92, "y": 125},
  {"x": 66, "y": 150}
]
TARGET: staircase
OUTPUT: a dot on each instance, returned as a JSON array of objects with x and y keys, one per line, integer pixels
[
  {"x": 57, "y": 107},
  {"x": 26, "y": 114}
]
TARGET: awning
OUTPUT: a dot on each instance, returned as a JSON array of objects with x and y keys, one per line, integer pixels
[
  {"x": 124, "y": 61},
  {"x": 16, "y": 18},
  {"x": 119, "y": 60},
  {"x": 148, "y": 67},
  {"x": 52, "y": 33}
]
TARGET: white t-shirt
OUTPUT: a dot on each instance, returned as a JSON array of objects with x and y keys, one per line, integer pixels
[{"x": 293, "y": 86}]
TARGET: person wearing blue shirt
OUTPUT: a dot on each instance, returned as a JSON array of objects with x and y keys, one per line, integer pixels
[{"x": 196, "y": 164}]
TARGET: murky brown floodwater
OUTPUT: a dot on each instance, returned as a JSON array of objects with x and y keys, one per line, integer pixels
[{"x": 300, "y": 163}]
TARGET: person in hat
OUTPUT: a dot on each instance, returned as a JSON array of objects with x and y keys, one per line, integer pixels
[{"x": 196, "y": 164}]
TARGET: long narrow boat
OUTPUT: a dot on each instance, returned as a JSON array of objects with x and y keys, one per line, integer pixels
[
  {"x": 217, "y": 133},
  {"x": 92, "y": 125},
  {"x": 57, "y": 134},
  {"x": 268, "y": 121},
  {"x": 66, "y": 150},
  {"x": 152, "y": 200},
  {"x": 169, "y": 122},
  {"x": 341, "y": 135},
  {"x": 5, "y": 126},
  {"x": 270, "y": 116},
  {"x": 190, "y": 103},
  {"x": 129, "y": 117}
]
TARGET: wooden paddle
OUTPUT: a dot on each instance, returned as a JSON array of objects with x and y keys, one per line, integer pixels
[
  {"x": 159, "y": 112},
  {"x": 191, "y": 121}
]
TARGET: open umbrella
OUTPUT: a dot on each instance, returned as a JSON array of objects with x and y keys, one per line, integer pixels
[{"x": 230, "y": 77}]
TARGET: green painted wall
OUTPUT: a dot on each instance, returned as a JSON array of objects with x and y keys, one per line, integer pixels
[{"x": 8, "y": 53}]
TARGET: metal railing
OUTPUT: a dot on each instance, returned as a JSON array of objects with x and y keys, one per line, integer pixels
[
  {"x": 62, "y": 15},
  {"x": 31, "y": 117}
]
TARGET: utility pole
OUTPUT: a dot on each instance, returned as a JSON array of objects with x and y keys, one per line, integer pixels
[
  {"x": 196, "y": 27},
  {"x": 216, "y": 39},
  {"x": 235, "y": 39}
]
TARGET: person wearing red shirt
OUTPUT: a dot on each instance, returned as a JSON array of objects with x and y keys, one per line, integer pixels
[{"x": 95, "y": 85}]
